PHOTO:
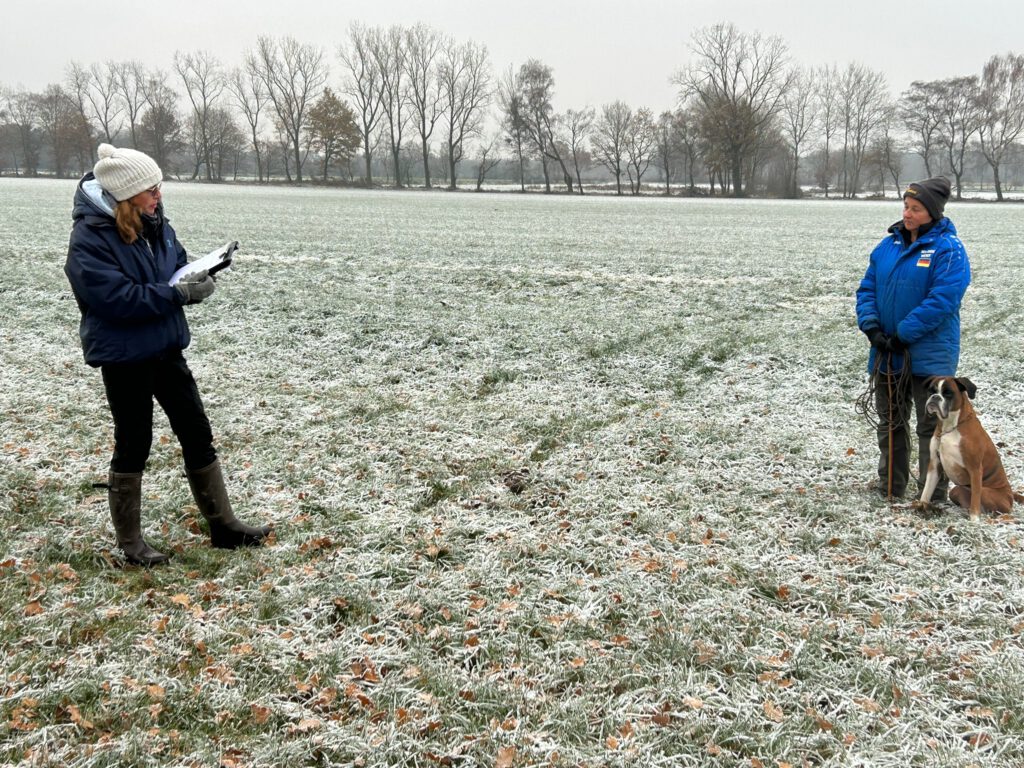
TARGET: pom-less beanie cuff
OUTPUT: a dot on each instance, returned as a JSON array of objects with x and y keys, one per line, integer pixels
[{"x": 125, "y": 172}]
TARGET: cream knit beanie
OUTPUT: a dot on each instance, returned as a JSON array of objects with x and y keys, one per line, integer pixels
[{"x": 125, "y": 172}]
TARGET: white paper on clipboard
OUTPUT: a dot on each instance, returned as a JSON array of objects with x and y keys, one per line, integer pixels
[{"x": 213, "y": 262}]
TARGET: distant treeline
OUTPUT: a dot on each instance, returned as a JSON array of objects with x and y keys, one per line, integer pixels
[{"x": 411, "y": 106}]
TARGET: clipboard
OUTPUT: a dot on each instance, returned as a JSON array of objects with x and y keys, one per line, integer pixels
[{"x": 213, "y": 262}]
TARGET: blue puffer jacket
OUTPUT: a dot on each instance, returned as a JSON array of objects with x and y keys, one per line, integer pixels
[
  {"x": 914, "y": 290},
  {"x": 129, "y": 312}
]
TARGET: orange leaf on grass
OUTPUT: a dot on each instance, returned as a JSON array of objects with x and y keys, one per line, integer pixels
[{"x": 773, "y": 711}]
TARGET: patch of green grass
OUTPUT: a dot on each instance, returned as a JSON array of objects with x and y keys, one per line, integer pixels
[{"x": 493, "y": 380}]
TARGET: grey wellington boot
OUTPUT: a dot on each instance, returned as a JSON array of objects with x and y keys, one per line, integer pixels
[
  {"x": 226, "y": 530},
  {"x": 125, "y": 496}
]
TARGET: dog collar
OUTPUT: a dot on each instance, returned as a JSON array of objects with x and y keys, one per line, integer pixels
[{"x": 971, "y": 415}]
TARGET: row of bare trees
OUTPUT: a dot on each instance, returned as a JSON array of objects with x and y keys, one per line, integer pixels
[
  {"x": 746, "y": 99},
  {"x": 744, "y": 108},
  {"x": 416, "y": 79},
  {"x": 747, "y": 117},
  {"x": 400, "y": 81}
]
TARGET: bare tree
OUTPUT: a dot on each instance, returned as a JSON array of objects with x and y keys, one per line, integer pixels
[
  {"x": 863, "y": 103},
  {"x": 160, "y": 128},
  {"x": 1001, "y": 105},
  {"x": 389, "y": 55},
  {"x": 250, "y": 95},
  {"x": 961, "y": 118},
  {"x": 921, "y": 111},
  {"x": 578, "y": 126},
  {"x": 740, "y": 80},
  {"x": 131, "y": 84},
  {"x": 829, "y": 111},
  {"x": 611, "y": 134},
  {"x": 488, "y": 158},
  {"x": 22, "y": 110},
  {"x": 537, "y": 84},
  {"x": 204, "y": 82},
  {"x": 464, "y": 76},
  {"x": 362, "y": 84},
  {"x": 888, "y": 151},
  {"x": 798, "y": 119},
  {"x": 423, "y": 47},
  {"x": 293, "y": 74},
  {"x": 62, "y": 124},
  {"x": 687, "y": 141},
  {"x": 513, "y": 119},
  {"x": 226, "y": 141},
  {"x": 77, "y": 84},
  {"x": 639, "y": 147},
  {"x": 98, "y": 92},
  {"x": 555, "y": 145},
  {"x": 665, "y": 147}
]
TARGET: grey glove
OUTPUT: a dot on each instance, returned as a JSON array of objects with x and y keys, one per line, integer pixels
[{"x": 194, "y": 288}]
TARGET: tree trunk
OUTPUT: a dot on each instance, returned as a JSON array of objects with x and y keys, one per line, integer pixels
[
  {"x": 737, "y": 175},
  {"x": 998, "y": 182},
  {"x": 426, "y": 166},
  {"x": 368, "y": 178},
  {"x": 298, "y": 159},
  {"x": 395, "y": 152},
  {"x": 451, "y": 165}
]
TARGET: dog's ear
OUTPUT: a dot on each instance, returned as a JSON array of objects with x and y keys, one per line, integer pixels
[{"x": 966, "y": 385}]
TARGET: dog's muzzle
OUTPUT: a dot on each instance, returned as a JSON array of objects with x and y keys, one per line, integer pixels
[{"x": 937, "y": 404}]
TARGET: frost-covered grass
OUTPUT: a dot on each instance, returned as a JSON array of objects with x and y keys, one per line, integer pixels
[{"x": 556, "y": 481}]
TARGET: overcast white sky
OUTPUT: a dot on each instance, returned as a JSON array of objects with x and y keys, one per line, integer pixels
[{"x": 601, "y": 50}]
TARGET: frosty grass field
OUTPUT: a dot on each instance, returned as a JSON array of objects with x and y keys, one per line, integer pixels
[{"x": 556, "y": 482}]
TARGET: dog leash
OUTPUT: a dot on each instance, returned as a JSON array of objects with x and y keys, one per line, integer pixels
[
  {"x": 865, "y": 404},
  {"x": 888, "y": 383}
]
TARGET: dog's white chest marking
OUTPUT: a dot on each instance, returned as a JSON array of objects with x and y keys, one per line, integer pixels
[{"x": 952, "y": 458}]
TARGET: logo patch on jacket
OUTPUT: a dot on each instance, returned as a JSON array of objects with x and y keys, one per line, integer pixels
[{"x": 925, "y": 259}]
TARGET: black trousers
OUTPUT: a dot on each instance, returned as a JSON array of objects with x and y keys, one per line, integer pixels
[
  {"x": 132, "y": 388},
  {"x": 895, "y": 410}
]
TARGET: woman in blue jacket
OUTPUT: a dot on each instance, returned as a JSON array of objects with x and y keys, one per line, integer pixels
[
  {"x": 908, "y": 305},
  {"x": 121, "y": 256}
]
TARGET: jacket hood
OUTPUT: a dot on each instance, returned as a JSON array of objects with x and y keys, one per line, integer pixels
[{"x": 91, "y": 201}]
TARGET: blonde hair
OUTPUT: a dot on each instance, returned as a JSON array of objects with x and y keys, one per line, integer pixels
[{"x": 129, "y": 221}]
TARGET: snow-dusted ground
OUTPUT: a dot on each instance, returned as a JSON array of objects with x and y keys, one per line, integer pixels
[{"x": 557, "y": 481}]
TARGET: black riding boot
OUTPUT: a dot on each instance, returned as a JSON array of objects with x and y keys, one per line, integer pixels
[
  {"x": 226, "y": 531},
  {"x": 124, "y": 494}
]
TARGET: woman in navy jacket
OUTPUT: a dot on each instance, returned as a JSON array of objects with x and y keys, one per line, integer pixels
[
  {"x": 121, "y": 256},
  {"x": 908, "y": 305}
]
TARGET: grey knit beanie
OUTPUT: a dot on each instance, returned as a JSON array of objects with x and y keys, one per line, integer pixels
[
  {"x": 933, "y": 194},
  {"x": 125, "y": 172}
]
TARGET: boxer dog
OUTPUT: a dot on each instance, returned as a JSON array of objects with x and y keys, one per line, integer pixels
[{"x": 965, "y": 451}]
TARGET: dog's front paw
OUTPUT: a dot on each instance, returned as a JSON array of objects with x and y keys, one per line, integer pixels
[{"x": 922, "y": 506}]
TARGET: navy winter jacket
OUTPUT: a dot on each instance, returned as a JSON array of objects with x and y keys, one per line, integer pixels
[
  {"x": 913, "y": 291},
  {"x": 129, "y": 312}
]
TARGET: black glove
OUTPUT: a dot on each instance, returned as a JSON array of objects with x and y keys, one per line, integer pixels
[
  {"x": 896, "y": 344},
  {"x": 877, "y": 338},
  {"x": 194, "y": 288}
]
